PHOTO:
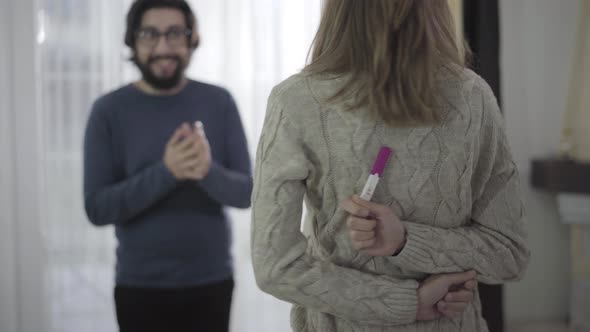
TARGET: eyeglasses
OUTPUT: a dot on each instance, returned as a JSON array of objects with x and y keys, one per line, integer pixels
[{"x": 175, "y": 36}]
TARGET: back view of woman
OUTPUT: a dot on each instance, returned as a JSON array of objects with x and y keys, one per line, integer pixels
[{"x": 447, "y": 209}]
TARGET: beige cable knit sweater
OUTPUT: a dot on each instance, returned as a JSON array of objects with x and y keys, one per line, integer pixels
[{"x": 454, "y": 185}]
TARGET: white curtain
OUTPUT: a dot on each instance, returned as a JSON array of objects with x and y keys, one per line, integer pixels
[{"x": 247, "y": 46}]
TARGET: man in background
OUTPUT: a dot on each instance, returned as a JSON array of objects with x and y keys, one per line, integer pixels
[{"x": 162, "y": 157}]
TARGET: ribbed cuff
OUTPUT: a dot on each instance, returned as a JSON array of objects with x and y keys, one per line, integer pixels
[
  {"x": 385, "y": 301},
  {"x": 404, "y": 304}
]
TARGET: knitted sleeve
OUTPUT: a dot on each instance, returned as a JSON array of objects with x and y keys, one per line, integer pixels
[
  {"x": 494, "y": 243},
  {"x": 282, "y": 266}
]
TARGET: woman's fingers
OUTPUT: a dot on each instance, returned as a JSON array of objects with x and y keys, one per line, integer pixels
[
  {"x": 360, "y": 224},
  {"x": 354, "y": 209},
  {"x": 361, "y": 235},
  {"x": 360, "y": 245},
  {"x": 461, "y": 295},
  {"x": 451, "y": 310}
]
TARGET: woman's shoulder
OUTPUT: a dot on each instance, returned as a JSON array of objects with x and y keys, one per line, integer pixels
[
  {"x": 463, "y": 82},
  {"x": 295, "y": 96},
  {"x": 293, "y": 90},
  {"x": 467, "y": 93}
]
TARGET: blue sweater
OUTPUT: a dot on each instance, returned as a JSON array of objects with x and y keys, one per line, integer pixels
[{"x": 170, "y": 233}]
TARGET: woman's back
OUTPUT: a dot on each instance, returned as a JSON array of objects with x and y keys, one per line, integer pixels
[
  {"x": 385, "y": 73},
  {"x": 435, "y": 179}
]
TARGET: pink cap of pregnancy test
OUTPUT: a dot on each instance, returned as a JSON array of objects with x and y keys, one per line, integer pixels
[{"x": 381, "y": 161}]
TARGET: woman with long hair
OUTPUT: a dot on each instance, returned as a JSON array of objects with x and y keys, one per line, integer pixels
[{"x": 386, "y": 80}]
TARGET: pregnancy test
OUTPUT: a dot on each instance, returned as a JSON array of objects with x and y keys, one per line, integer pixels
[
  {"x": 376, "y": 173},
  {"x": 199, "y": 126}
]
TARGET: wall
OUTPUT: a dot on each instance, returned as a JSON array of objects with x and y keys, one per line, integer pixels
[{"x": 538, "y": 43}]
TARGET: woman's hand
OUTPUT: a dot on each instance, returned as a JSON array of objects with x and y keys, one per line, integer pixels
[
  {"x": 457, "y": 299},
  {"x": 374, "y": 229},
  {"x": 445, "y": 295}
]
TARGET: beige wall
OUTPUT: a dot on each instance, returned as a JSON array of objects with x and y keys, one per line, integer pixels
[
  {"x": 537, "y": 47},
  {"x": 576, "y": 131},
  {"x": 457, "y": 10}
]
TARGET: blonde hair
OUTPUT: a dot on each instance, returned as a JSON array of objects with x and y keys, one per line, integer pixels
[{"x": 392, "y": 51}]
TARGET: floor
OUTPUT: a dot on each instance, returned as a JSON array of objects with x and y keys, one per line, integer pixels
[
  {"x": 87, "y": 306},
  {"x": 79, "y": 285},
  {"x": 539, "y": 327}
]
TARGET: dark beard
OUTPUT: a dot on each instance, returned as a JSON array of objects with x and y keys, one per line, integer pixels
[{"x": 158, "y": 82}]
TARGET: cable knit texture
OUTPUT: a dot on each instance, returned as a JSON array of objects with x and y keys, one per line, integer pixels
[{"x": 454, "y": 185}]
